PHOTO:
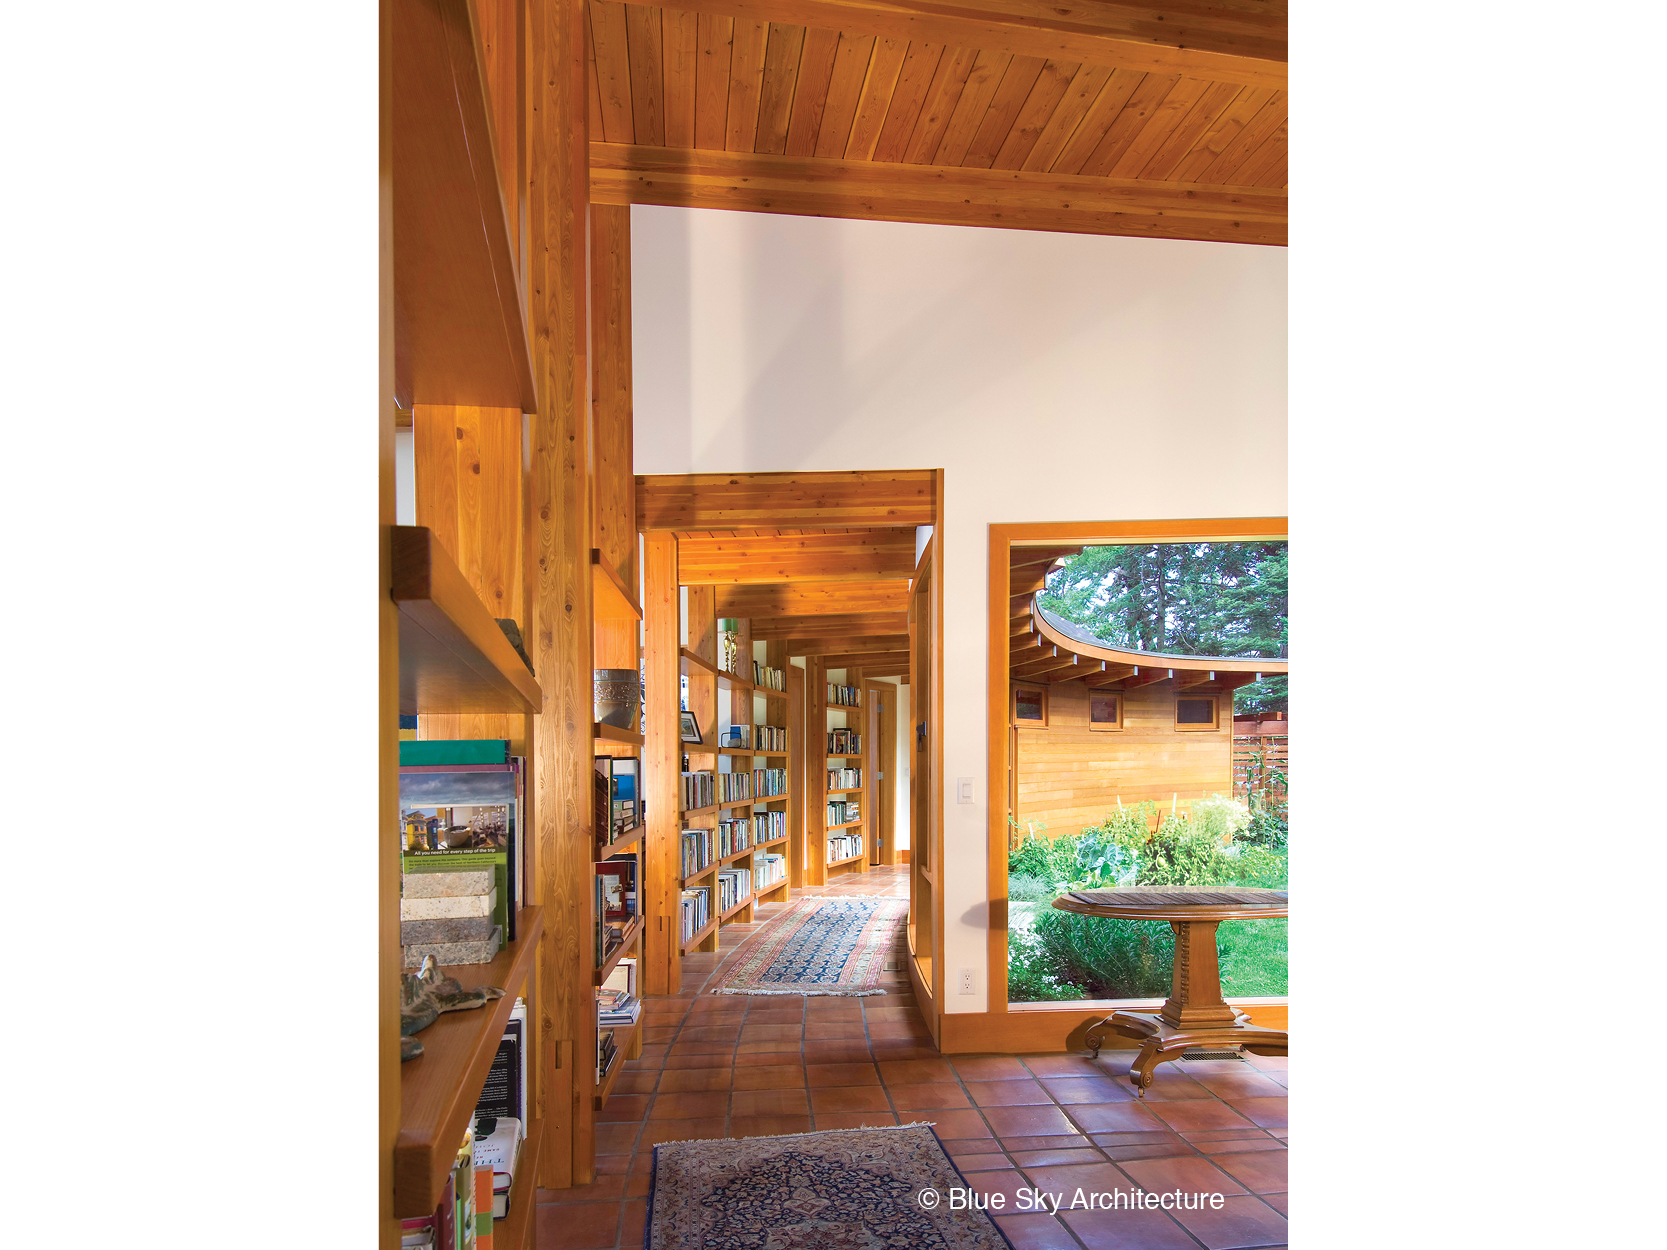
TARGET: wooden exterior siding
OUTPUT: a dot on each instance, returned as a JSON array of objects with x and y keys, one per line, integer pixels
[{"x": 1070, "y": 776}]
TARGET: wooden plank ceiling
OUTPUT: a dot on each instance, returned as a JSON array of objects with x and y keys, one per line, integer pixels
[{"x": 1102, "y": 118}]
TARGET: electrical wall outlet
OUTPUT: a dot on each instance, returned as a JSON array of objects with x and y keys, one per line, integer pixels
[
  {"x": 969, "y": 982},
  {"x": 963, "y": 789}
]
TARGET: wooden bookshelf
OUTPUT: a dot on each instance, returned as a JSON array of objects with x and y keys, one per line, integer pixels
[
  {"x": 439, "y": 1089},
  {"x": 740, "y": 906},
  {"x": 700, "y": 935},
  {"x": 628, "y": 940},
  {"x": 625, "y": 1037},
  {"x": 855, "y": 824},
  {"x": 850, "y": 859},
  {"x": 688, "y": 882},
  {"x": 623, "y": 842},
  {"x": 453, "y": 658},
  {"x": 613, "y": 733},
  {"x": 515, "y": 1230},
  {"x": 460, "y": 332},
  {"x": 611, "y": 598}
]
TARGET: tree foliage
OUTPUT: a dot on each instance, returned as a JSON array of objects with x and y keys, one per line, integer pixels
[{"x": 1226, "y": 599}]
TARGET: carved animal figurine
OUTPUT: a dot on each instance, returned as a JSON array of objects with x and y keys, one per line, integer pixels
[{"x": 425, "y": 995}]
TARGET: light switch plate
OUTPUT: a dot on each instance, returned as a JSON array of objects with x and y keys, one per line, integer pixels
[{"x": 963, "y": 789}]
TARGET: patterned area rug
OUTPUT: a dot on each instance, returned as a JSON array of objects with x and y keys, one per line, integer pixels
[
  {"x": 845, "y": 1189},
  {"x": 820, "y": 946}
]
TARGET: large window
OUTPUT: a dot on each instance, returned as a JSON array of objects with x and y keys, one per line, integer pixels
[{"x": 1143, "y": 779}]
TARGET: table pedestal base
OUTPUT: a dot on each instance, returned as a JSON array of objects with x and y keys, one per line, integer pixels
[{"x": 1161, "y": 1042}]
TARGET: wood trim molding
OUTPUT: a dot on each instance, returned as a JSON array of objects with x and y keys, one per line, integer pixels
[
  {"x": 1055, "y": 1028},
  {"x": 1003, "y": 538},
  {"x": 1237, "y": 41},
  {"x": 805, "y": 186}
]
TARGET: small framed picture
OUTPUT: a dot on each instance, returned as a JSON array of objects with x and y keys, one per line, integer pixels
[{"x": 691, "y": 731}]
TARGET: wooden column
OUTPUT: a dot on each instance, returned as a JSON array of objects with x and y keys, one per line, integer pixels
[
  {"x": 798, "y": 779},
  {"x": 559, "y": 550},
  {"x": 662, "y": 755},
  {"x": 615, "y": 504}
]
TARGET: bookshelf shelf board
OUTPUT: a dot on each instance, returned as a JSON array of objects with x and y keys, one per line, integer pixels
[
  {"x": 770, "y": 694},
  {"x": 623, "y": 1033},
  {"x": 613, "y": 733},
  {"x": 453, "y": 658},
  {"x": 775, "y": 755},
  {"x": 849, "y": 755},
  {"x": 700, "y": 811},
  {"x": 697, "y": 663},
  {"x": 699, "y": 936},
  {"x": 771, "y": 798},
  {"x": 855, "y": 824},
  {"x": 630, "y": 837},
  {"x": 611, "y": 598},
  {"x": 847, "y": 790},
  {"x": 849, "y": 859},
  {"x": 734, "y": 682},
  {"x": 515, "y": 1230},
  {"x": 738, "y": 906},
  {"x": 738, "y": 803},
  {"x": 632, "y": 932},
  {"x": 438, "y": 1089},
  {"x": 460, "y": 335},
  {"x": 769, "y": 889}
]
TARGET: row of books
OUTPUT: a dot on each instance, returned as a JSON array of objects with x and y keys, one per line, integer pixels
[
  {"x": 844, "y": 778},
  {"x": 697, "y": 847},
  {"x": 769, "y": 678},
  {"x": 844, "y": 813},
  {"x": 843, "y": 846},
  {"x": 755, "y": 737},
  {"x": 734, "y": 884},
  {"x": 477, "y": 1191},
  {"x": 768, "y": 782},
  {"x": 844, "y": 742},
  {"x": 699, "y": 790},
  {"x": 618, "y": 806},
  {"x": 844, "y": 696},
  {"x": 617, "y": 1008},
  {"x": 461, "y": 805},
  {"x": 768, "y": 826},
  {"x": 767, "y": 869},
  {"x": 616, "y": 903},
  {"x": 696, "y": 909},
  {"x": 734, "y": 835}
]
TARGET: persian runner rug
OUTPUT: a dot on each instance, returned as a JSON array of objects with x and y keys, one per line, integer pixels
[
  {"x": 844, "y": 1189},
  {"x": 820, "y": 946}
]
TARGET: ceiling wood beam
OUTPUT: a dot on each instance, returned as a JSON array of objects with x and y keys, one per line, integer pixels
[
  {"x": 1114, "y": 674},
  {"x": 846, "y": 645},
  {"x": 1236, "y": 41},
  {"x": 821, "y": 501},
  {"x": 859, "y": 555},
  {"x": 865, "y": 660},
  {"x": 955, "y": 196},
  {"x": 846, "y": 625},
  {"x": 1185, "y": 680},
  {"x": 1146, "y": 677},
  {"x": 813, "y": 599}
]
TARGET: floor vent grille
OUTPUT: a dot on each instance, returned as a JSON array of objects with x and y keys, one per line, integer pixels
[{"x": 1204, "y": 1052}]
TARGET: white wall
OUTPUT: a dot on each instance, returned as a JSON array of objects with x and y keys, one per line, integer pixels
[{"x": 1053, "y": 377}]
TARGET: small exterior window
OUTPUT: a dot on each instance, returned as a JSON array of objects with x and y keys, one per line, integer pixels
[
  {"x": 1030, "y": 707},
  {"x": 1196, "y": 712},
  {"x": 1105, "y": 711}
]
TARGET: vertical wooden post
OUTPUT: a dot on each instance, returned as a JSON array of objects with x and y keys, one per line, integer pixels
[
  {"x": 559, "y": 298},
  {"x": 610, "y": 300},
  {"x": 661, "y": 969},
  {"x": 798, "y": 777},
  {"x": 384, "y": 836}
]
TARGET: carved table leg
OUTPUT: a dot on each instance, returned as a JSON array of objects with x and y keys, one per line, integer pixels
[
  {"x": 1140, "y": 1071},
  {"x": 1096, "y": 1037}
]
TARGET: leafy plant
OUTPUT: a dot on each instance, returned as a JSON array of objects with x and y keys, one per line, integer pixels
[
  {"x": 1022, "y": 888},
  {"x": 1219, "y": 817},
  {"x": 1107, "y": 958},
  {"x": 1028, "y": 977}
]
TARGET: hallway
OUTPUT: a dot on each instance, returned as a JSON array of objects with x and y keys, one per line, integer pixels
[{"x": 760, "y": 1065}]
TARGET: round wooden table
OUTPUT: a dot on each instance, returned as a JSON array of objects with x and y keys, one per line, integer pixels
[{"x": 1195, "y": 1013}]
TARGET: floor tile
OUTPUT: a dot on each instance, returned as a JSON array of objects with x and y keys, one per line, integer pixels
[
  {"x": 1196, "y": 1113},
  {"x": 1116, "y": 1117},
  {"x": 688, "y": 1106},
  {"x": 955, "y": 1124},
  {"x": 624, "y": 1107},
  {"x": 1057, "y": 1158},
  {"x": 1008, "y": 1093},
  {"x": 656, "y": 1131},
  {"x": 927, "y": 1097},
  {"x": 850, "y": 1098},
  {"x": 767, "y": 1125},
  {"x": 1069, "y": 1090},
  {"x": 1262, "y": 1172},
  {"x": 769, "y": 1076},
  {"x": 914, "y": 1071},
  {"x": 995, "y": 1161},
  {"x": 632, "y": 1222},
  {"x": 1036, "y": 1232},
  {"x": 755, "y": 1102},
  {"x": 990, "y": 1068},
  {"x": 1262, "y": 1112},
  {"x": 693, "y": 1080},
  {"x": 1190, "y": 1175},
  {"x": 1050, "y": 1141},
  {"x": 1127, "y": 1230},
  {"x": 1030, "y": 1121},
  {"x": 841, "y": 1074},
  {"x": 1241, "y": 1222},
  {"x": 1240, "y": 1085},
  {"x": 585, "y": 1226},
  {"x": 854, "y": 1119}
]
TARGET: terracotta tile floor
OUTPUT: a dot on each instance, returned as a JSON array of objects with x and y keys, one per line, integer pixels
[{"x": 747, "y": 1066}]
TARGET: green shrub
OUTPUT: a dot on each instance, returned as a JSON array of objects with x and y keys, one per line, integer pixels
[
  {"x": 1022, "y": 888},
  {"x": 1268, "y": 828},
  {"x": 1108, "y": 958},
  {"x": 1028, "y": 978},
  {"x": 1219, "y": 817}
]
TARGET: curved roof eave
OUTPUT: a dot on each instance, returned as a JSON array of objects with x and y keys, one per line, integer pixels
[{"x": 1061, "y": 633}]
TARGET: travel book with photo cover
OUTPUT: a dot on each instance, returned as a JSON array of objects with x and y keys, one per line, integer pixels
[{"x": 464, "y": 818}]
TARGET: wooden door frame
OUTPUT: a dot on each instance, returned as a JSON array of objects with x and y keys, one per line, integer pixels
[{"x": 1003, "y": 538}]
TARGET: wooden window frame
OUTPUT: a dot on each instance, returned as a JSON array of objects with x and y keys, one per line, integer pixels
[
  {"x": 1115, "y": 726},
  {"x": 1003, "y": 537},
  {"x": 1215, "y": 714},
  {"x": 1026, "y": 722}
]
